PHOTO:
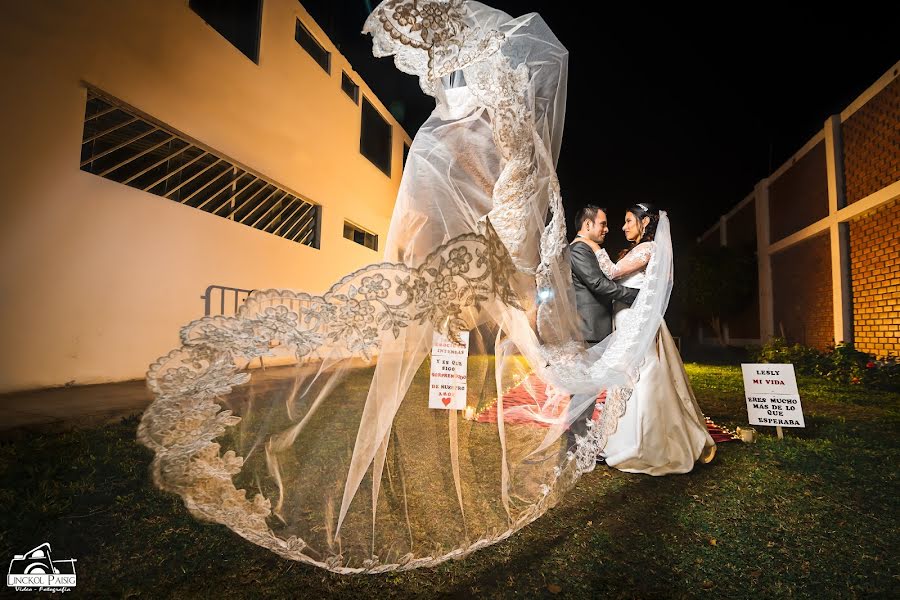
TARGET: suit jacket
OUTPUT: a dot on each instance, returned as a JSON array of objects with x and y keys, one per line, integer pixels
[{"x": 595, "y": 293}]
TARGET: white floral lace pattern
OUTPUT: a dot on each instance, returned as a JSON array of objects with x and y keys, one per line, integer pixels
[
  {"x": 429, "y": 39},
  {"x": 636, "y": 259},
  {"x": 566, "y": 360},
  {"x": 635, "y": 320},
  {"x": 434, "y": 39},
  {"x": 592, "y": 444},
  {"x": 180, "y": 426},
  {"x": 567, "y": 364}
]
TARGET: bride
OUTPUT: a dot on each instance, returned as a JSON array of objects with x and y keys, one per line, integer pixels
[
  {"x": 662, "y": 430},
  {"x": 316, "y": 425}
]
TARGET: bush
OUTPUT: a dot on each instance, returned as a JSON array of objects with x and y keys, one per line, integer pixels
[
  {"x": 883, "y": 375},
  {"x": 805, "y": 360},
  {"x": 842, "y": 363}
]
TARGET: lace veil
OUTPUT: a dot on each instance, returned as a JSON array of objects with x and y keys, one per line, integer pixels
[{"x": 303, "y": 422}]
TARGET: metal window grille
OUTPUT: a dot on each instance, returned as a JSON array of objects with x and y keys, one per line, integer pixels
[
  {"x": 360, "y": 236},
  {"x": 126, "y": 146}
]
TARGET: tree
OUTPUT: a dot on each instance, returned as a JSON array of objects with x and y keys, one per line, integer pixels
[{"x": 718, "y": 284}]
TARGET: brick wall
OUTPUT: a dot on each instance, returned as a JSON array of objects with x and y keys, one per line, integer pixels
[
  {"x": 875, "y": 269},
  {"x": 799, "y": 197},
  {"x": 801, "y": 281},
  {"x": 742, "y": 234},
  {"x": 801, "y": 274},
  {"x": 872, "y": 144}
]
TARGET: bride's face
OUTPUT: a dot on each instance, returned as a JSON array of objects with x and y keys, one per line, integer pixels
[{"x": 633, "y": 228}]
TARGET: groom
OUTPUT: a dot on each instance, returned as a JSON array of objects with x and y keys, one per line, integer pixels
[{"x": 594, "y": 295}]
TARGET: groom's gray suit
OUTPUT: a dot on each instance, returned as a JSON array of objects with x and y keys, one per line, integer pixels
[{"x": 594, "y": 295}]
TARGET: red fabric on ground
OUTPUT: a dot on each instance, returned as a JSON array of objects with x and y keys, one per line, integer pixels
[{"x": 533, "y": 392}]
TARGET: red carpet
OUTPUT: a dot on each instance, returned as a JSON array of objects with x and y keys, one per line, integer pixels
[{"x": 533, "y": 391}]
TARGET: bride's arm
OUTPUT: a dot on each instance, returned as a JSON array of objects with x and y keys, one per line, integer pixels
[
  {"x": 606, "y": 264},
  {"x": 635, "y": 260}
]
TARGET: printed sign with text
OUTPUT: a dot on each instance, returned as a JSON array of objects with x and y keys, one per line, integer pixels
[
  {"x": 447, "y": 389},
  {"x": 772, "y": 395}
]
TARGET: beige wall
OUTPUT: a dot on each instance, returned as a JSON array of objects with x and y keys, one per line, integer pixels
[{"x": 96, "y": 278}]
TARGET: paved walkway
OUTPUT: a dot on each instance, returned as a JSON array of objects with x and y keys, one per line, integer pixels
[
  {"x": 57, "y": 409},
  {"x": 67, "y": 407}
]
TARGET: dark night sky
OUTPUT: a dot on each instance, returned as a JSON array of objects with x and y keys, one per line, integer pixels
[{"x": 663, "y": 108}]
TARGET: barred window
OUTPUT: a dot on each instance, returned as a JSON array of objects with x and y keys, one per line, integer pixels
[
  {"x": 360, "y": 236},
  {"x": 312, "y": 46},
  {"x": 126, "y": 146},
  {"x": 350, "y": 88},
  {"x": 375, "y": 137}
]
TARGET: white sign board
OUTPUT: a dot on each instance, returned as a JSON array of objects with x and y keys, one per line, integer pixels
[
  {"x": 772, "y": 395},
  {"x": 448, "y": 372}
]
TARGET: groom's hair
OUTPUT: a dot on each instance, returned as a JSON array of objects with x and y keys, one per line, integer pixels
[{"x": 587, "y": 213}]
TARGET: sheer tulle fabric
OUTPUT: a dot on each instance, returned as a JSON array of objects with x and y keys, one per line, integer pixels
[{"x": 302, "y": 422}]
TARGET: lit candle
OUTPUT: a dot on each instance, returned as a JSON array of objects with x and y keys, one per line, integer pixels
[{"x": 747, "y": 434}]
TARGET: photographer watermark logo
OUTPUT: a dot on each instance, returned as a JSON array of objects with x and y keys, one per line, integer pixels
[{"x": 35, "y": 571}]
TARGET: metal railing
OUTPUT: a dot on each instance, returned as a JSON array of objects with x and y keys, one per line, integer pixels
[{"x": 235, "y": 297}]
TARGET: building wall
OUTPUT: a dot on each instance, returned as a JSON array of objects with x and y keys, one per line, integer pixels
[
  {"x": 871, "y": 138},
  {"x": 809, "y": 285},
  {"x": 741, "y": 230},
  {"x": 98, "y": 277},
  {"x": 801, "y": 277},
  {"x": 875, "y": 271},
  {"x": 799, "y": 196}
]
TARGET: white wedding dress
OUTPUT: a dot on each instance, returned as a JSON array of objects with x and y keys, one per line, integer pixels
[{"x": 663, "y": 430}]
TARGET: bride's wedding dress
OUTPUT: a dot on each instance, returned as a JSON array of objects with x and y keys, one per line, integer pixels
[{"x": 663, "y": 430}]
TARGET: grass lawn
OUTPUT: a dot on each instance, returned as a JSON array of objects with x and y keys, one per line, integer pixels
[{"x": 811, "y": 516}]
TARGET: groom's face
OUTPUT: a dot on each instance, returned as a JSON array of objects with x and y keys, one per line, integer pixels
[{"x": 599, "y": 228}]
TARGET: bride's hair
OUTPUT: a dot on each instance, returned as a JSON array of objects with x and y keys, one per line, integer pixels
[{"x": 641, "y": 210}]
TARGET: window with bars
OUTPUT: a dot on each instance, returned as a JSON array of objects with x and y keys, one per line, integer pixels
[
  {"x": 375, "y": 137},
  {"x": 312, "y": 46},
  {"x": 359, "y": 235},
  {"x": 123, "y": 145},
  {"x": 350, "y": 88}
]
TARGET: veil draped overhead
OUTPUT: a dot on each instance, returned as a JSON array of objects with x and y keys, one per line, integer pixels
[{"x": 303, "y": 422}]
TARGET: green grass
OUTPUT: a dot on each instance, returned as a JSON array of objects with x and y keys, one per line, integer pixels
[{"x": 811, "y": 516}]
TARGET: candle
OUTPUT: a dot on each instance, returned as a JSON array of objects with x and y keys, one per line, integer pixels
[{"x": 747, "y": 434}]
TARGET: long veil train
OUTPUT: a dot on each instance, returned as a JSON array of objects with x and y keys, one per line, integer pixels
[{"x": 331, "y": 455}]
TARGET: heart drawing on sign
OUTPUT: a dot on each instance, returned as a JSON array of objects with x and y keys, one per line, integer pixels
[{"x": 446, "y": 401}]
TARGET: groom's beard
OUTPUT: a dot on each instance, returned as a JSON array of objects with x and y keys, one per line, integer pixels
[{"x": 594, "y": 238}]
